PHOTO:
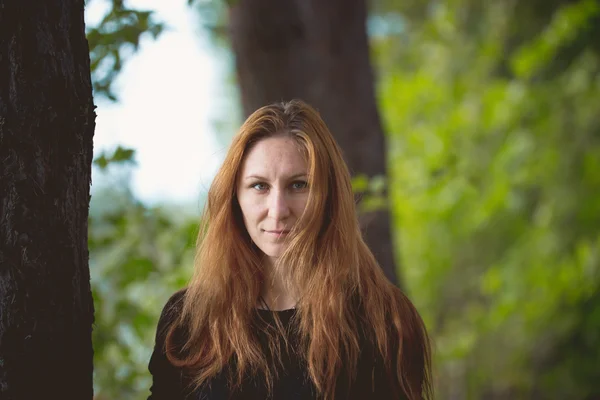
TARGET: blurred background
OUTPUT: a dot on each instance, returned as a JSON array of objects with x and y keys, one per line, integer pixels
[{"x": 486, "y": 114}]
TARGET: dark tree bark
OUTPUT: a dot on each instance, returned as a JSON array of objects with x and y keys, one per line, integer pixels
[
  {"x": 47, "y": 122},
  {"x": 317, "y": 51}
]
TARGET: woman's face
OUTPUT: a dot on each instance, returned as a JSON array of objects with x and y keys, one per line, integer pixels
[{"x": 272, "y": 192}]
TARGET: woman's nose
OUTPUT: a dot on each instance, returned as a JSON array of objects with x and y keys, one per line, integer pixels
[{"x": 278, "y": 205}]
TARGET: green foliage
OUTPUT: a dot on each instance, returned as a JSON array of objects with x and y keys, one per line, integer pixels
[
  {"x": 566, "y": 25},
  {"x": 495, "y": 186},
  {"x": 139, "y": 256},
  {"x": 117, "y": 37},
  {"x": 120, "y": 155},
  {"x": 371, "y": 192}
]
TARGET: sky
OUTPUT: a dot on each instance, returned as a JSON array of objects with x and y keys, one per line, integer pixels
[{"x": 166, "y": 109}]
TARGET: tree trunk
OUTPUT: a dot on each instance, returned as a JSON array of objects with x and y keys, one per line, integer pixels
[
  {"x": 317, "y": 51},
  {"x": 46, "y": 130}
]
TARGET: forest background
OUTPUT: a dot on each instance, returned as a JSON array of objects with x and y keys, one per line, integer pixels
[{"x": 492, "y": 140}]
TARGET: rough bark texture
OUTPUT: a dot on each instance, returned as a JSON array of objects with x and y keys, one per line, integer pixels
[
  {"x": 46, "y": 129},
  {"x": 317, "y": 51}
]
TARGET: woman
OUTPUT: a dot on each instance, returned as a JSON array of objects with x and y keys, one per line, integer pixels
[{"x": 287, "y": 301}]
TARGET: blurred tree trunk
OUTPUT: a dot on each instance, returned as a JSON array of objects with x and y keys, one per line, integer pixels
[
  {"x": 46, "y": 130},
  {"x": 318, "y": 51}
]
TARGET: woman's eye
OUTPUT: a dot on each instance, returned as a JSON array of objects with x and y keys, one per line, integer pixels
[
  {"x": 299, "y": 185},
  {"x": 259, "y": 186}
]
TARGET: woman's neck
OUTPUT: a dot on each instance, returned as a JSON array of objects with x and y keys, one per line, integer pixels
[{"x": 274, "y": 291}]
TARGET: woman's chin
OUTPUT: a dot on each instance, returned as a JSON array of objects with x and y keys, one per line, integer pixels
[{"x": 273, "y": 252}]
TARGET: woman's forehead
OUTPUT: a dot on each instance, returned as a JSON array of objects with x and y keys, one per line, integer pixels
[{"x": 275, "y": 155}]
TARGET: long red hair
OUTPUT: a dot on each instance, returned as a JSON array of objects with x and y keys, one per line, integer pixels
[{"x": 343, "y": 290}]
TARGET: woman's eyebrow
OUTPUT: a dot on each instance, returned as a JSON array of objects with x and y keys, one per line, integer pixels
[
  {"x": 255, "y": 177},
  {"x": 295, "y": 176},
  {"x": 299, "y": 175}
]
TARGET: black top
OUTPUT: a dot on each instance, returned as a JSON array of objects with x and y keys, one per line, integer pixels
[{"x": 293, "y": 383}]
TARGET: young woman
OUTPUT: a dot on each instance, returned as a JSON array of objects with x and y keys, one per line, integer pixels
[{"x": 287, "y": 302}]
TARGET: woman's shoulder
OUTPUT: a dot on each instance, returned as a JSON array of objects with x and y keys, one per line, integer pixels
[
  {"x": 175, "y": 300},
  {"x": 171, "y": 310}
]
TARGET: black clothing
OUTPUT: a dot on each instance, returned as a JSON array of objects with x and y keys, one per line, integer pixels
[{"x": 293, "y": 383}]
